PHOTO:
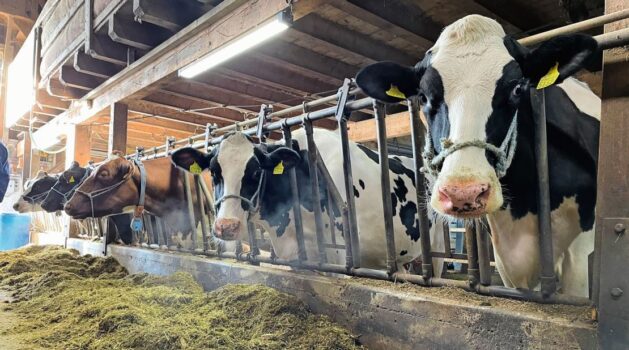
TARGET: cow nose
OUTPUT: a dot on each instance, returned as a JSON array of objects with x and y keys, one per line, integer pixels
[
  {"x": 16, "y": 206},
  {"x": 68, "y": 207},
  {"x": 227, "y": 228},
  {"x": 462, "y": 199}
]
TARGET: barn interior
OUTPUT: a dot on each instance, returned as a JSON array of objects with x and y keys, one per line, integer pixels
[{"x": 84, "y": 78}]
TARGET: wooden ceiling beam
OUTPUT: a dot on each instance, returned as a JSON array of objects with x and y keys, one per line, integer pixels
[
  {"x": 56, "y": 89},
  {"x": 176, "y": 113},
  {"x": 143, "y": 36},
  {"x": 103, "y": 48},
  {"x": 46, "y": 100},
  {"x": 187, "y": 103},
  {"x": 342, "y": 37},
  {"x": 86, "y": 64},
  {"x": 47, "y": 111},
  {"x": 69, "y": 77},
  {"x": 162, "y": 13}
]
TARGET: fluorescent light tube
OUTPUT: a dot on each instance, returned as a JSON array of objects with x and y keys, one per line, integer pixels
[{"x": 238, "y": 46}]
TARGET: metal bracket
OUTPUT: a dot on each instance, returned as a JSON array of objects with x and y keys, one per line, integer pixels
[
  {"x": 139, "y": 152},
  {"x": 170, "y": 142},
  {"x": 342, "y": 100},
  {"x": 263, "y": 117},
  {"x": 209, "y": 133}
]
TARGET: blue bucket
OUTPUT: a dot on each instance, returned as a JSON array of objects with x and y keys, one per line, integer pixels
[{"x": 14, "y": 230}]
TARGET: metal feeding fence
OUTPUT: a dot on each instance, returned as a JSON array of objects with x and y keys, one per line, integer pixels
[
  {"x": 477, "y": 240},
  {"x": 476, "y": 235}
]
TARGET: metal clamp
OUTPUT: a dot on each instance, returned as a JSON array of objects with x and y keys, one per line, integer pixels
[
  {"x": 170, "y": 143},
  {"x": 209, "y": 133},
  {"x": 263, "y": 117},
  {"x": 343, "y": 94},
  {"x": 139, "y": 152}
]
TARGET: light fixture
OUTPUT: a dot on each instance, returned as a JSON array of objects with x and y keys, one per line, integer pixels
[{"x": 254, "y": 37}]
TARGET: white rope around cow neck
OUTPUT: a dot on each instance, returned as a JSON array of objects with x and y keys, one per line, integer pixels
[{"x": 504, "y": 153}]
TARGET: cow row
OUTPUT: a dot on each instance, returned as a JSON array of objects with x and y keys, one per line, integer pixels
[{"x": 479, "y": 161}]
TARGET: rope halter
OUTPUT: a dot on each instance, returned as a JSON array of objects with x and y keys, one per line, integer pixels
[
  {"x": 253, "y": 203},
  {"x": 36, "y": 198},
  {"x": 504, "y": 154},
  {"x": 99, "y": 192},
  {"x": 67, "y": 194}
]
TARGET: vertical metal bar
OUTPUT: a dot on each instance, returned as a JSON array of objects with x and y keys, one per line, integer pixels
[
  {"x": 292, "y": 174},
  {"x": 446, "y": 239},
  {"x": 150, "y": 232},
  {"x": 483, "y": 253},
  {"x": 385, "y": 185},
  {"x": 253, "y": 241},
  {"x": 349, "y": 193},
  {"x": 204, "y": 218},
  {"x": 331, "y": 208},
  {"x": 472, "y": 257},
  {"x": 316, "y": 197},
  {"x": 193, "y": 226},
  {"x": 417, "y": 139},
  {"x": 160, "y": 233},
  {"x": 547, "y": 276}
]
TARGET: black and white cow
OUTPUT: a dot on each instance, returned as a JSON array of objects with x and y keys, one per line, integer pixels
[
  {"x": 473, "y": 85},
  {"x": 239, "y": 168},
  {"x": 35, "y": 191}
]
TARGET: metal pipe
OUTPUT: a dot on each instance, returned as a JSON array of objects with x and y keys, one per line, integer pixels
[
  {"x": 316, "y": 197},
  {"x": 294, "y": 189},
  {"x": 331, "y": 221},
  {"x": 204, "y": 219},
  {"x": 575, "y": 27},
  {"x": 483, "y": 253},
  {"x": 547, "y": 276},
  {"x": 446, "y": 240},
  {"x": 472, "y": 256},
  {"x": 417, "y": 140},
  {"x": 385, "y": 185},
  {"x": 613, "y": 39},
  {"x": 190, "y": 203}
]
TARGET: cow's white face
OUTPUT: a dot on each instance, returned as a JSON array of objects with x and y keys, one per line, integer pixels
[
  {"x": 35, "y": 192},
  {"x": 237, "y": 166},
  {"x": 471, "y": 84}
]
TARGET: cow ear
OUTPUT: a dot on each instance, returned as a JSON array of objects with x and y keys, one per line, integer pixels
[
  {"x": 270, "y": 161},
  {"x": 558, "y": 58},
  {"x": 388, "y": 82},
  {"x": 191, "y": 159}
]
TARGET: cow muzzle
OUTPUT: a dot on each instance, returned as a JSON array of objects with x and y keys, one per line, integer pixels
[
  {"x": 227, "y": 228},
  {"x": 464, "y": 199}
]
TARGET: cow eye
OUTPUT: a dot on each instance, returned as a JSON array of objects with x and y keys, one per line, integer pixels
[
  {"x": 517, "y": 90},
  {"x": 103, "y": 174},
  {"x": 423, "y": 99}
]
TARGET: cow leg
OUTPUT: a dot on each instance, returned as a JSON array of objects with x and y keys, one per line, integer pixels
[{"x": 574, "y": 266}]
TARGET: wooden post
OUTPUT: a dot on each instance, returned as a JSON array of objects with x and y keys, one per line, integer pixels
[
  {"x": 82, "y": 144},
  {"x": 611, "y": 293},
  {"x": 118, "y": 128},
  {"x": 27, "y": 154},
  {"x": 7, "y": 57}
]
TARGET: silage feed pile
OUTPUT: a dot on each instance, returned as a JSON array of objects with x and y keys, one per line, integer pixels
[{"x": 67, "y": 301}]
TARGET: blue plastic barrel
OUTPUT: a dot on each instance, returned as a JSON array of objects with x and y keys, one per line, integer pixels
[{"x": 14, "y": 230}]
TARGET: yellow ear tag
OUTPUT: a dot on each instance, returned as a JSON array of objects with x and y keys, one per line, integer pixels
[
  {"x": 71, "y": 179},
  {"x": 279, "y": 168},
  {"x": 195, "y": 168},
  {"x": 395, "y": 92},
  {"x": 550, "y": 78}
]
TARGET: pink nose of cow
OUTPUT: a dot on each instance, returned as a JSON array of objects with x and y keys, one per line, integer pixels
[
  {"x": 227, "y": 228},
  {"x": 464, "y": 199}
]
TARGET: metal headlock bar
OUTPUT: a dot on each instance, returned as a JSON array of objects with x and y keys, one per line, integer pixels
[{"x": 477, "y": 237}]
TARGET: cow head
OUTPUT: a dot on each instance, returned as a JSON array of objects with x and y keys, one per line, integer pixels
[
  {"x": 238, "y": 167},
  {"x": 470, "y": 85},
  {"x": 35, "y": 191},
  {"x": 114, "y": 179},
  {"x": 64, "y": 188}
]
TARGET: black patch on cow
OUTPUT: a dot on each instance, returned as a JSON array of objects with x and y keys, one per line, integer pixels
[
  {"x": 408, "y": 216},
  {"x": 339, "y": 226},
  {"x": 400, "y": 189},
  {"x": 356, "y": 194},
  {"x": 395, "y": 165},
  {"x": 393, "y": 203},
  {"x": 361, "y": 183},
  {"x": 434, "y": 106},
  {"x": 572, "y": 149},
  {"x": 404, "y": 252}
]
